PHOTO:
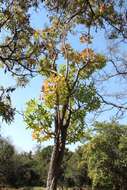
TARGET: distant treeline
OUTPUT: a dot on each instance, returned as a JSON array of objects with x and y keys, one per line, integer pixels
[{"x": 101, "y": 163}]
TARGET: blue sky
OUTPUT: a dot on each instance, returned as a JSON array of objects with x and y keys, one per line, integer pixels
[{"x": 17, "y": 132}]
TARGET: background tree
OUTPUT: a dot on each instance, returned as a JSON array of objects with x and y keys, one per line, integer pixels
[
  {"x": 76, "y": 174},
  {"x": 99, "y": 164},
  {"x": 42, "y": 156},
  {"x": 106, "y": 156},
  {"x": 6, "y": 162},
  {"x": 26, "y": 170},
  {"x": 17, "y": 169}
]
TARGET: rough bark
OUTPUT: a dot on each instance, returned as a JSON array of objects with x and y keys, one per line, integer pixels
[{"x": 56, "y": 159}]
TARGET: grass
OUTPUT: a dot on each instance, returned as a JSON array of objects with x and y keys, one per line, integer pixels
[
  {"x": 23, "y": 188},
  {"x": 34, "y": 188}
]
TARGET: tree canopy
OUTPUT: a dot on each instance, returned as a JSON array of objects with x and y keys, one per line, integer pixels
[{"x": 106, "y": 156}]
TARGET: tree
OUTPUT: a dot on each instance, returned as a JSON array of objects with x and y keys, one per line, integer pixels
[
  {"x": 42, "y": 157},
  {"x": 68, "y": 93},
  {"x": 16, "y": 34},
  {"x": 25, "y": 170},
  {"x": 7, "y": 112},
  {"x": 76, "y": 173},
  {"x": 15, "y": 26},
  {"x": 109, "y": 17},
  {"x": 6, "y": 162},
  {"x": 106, "y": 156},
  {"x": 94, "y": 14}
]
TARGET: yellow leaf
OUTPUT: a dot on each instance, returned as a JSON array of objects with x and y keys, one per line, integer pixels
[{"x": 36, "y": 35}]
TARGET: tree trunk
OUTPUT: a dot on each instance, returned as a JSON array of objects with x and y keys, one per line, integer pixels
[{"x": 56, "y": 160}]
